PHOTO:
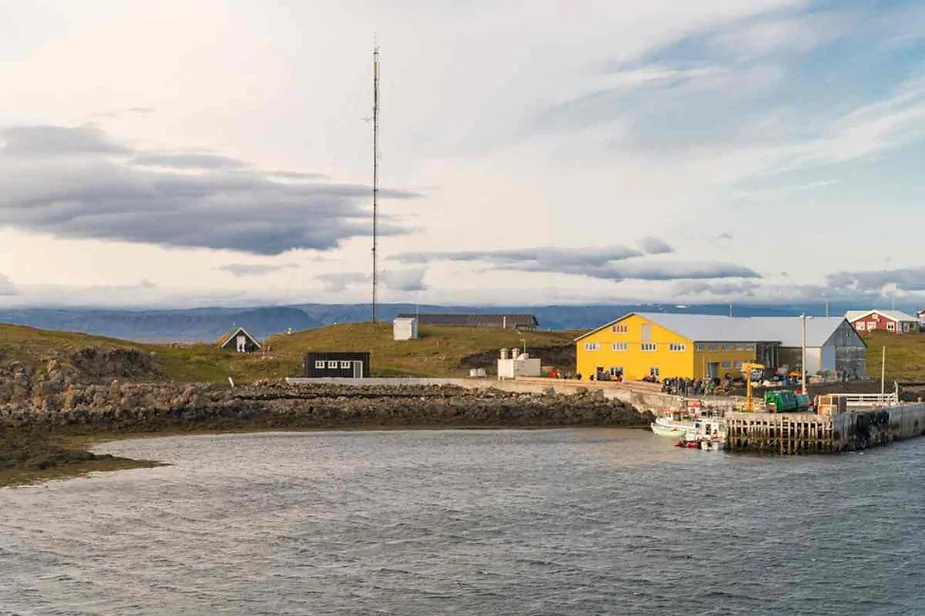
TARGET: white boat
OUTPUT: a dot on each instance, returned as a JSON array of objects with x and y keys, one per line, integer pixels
[
  {"x": 709, "y": 433},
  {"x": 666, "y": 426}
]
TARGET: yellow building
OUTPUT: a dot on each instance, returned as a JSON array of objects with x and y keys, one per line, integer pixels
[{"x": 689, "y": 346}]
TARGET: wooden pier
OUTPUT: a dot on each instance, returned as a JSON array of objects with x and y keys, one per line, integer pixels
[
  {"x": 780, "y": 433},
  {"x": 806, "y": 433}
]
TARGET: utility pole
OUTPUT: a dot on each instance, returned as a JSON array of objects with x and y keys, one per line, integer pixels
[
  {"x": 375, "y": 180},
  {"x": 882, "y": 372},
  {"x": 803, "y": 386}
]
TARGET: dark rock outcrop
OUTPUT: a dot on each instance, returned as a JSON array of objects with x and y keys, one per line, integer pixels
[{"x": 133, "y": 407}]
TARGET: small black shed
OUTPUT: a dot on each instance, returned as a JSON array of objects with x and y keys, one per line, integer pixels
[{"x": 339, "y": 364}]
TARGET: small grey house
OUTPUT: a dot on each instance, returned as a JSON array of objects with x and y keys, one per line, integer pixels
[{"x": 239, "y": 340}]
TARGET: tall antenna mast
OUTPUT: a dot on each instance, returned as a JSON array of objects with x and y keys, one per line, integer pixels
[{"x": 375, "y": 178}]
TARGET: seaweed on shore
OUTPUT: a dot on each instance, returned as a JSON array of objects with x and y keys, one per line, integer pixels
[{"x": 34, "y": 448}]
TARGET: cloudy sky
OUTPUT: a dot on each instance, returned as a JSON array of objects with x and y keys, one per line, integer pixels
[{"x": 218, "y": 152}]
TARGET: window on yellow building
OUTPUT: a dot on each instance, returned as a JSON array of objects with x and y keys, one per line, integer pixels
[
  {"x": 654, "y": 371},
  {"x": 649, "y": 346},
  {"x": 677, "y": 347},
  {"x": 592, "y": 346},
  {"x": 737, "y": 364},
  {"x": 620, "y": 346},
  {"x": 620, "y": 329},
  {"x": 699, "y": 348},
  {"x": 750, "y": 347},
  {"x": 727, "y": 364},
  {"x": 714, "y": 347}
]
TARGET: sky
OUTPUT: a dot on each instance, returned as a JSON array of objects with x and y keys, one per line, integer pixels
[{"x": 219, "y": 152}]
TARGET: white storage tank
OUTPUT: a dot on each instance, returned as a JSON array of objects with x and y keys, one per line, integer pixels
[{"x": 405, "y": 328}]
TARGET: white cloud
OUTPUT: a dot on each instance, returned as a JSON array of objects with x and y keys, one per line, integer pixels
[{"x": 6, "y": 286}]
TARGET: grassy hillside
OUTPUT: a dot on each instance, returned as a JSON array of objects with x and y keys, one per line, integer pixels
[
  {"x": 905, "y": 356},
  {"x": 440, "y": 351}
]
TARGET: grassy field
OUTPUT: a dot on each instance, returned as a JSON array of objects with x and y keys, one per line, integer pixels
[
  {"x": 439, "y": 351},
  {"x": 905, "y": 356}
]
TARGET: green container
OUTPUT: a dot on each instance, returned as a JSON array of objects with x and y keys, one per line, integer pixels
[{"x": 784, "y": 401}]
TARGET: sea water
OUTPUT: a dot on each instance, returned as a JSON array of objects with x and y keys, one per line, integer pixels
[{"x": 587, "y": 521}]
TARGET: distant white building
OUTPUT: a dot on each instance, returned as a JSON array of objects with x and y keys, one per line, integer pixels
[
  {"x": 517, "y": 364},
  {"x": 405, "y": 328}
]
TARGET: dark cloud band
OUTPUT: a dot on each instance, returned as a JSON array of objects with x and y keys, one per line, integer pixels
[
  {"x": 611, "y": 263},
  {"x": 52, "y": 186}
]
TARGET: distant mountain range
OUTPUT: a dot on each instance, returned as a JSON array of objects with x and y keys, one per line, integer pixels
[{"x": 208, "y": 324}]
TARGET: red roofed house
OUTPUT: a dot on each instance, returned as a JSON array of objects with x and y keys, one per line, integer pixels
[{"x": 886, "y": 320}]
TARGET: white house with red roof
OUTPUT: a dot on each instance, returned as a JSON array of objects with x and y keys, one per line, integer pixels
[{"x": 886, "y": 320}]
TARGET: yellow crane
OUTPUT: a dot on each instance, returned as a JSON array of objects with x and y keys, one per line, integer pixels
[{"x": 747, "y": 368}]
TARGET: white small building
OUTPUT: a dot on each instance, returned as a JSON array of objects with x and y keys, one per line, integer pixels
[
  {"x": 517, "y": 365},
  {"x": 405, "y": 328}
]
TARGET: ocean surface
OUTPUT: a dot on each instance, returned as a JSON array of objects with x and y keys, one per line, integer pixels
[{"x": 591, "y": 521}]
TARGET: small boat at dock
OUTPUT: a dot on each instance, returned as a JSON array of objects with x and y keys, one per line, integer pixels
[
  {"x": 667, "y": 426},
  {"x": 708, "y": 434}
]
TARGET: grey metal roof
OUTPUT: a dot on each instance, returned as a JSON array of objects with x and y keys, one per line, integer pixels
[
  {"x": 473, "y": 320},
  {"x": 788, "y": 331},
  {"x": 710, "y": 327}
]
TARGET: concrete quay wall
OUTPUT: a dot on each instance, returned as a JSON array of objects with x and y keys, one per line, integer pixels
[
  {"x": 644, "y": 399},
  {"x": 878, "y": 427}
]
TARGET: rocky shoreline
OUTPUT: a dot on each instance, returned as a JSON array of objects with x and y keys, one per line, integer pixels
[
  {"x": 40, "y": 406},
  {"x": 150, "y": 407}
]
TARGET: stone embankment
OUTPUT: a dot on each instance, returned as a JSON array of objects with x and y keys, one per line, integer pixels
[{"x": 58, "y": 396}]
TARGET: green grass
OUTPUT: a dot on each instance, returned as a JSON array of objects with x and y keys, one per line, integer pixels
[
  {"x": 905, "y": 356},
  {"x": 438, "y": 352}
]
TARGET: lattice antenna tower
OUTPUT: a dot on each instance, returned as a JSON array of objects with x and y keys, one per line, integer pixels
[{"x": 375, "y": 181}]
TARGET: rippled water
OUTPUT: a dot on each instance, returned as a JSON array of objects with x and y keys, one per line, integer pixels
[{"x": 469, "y": 522}]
